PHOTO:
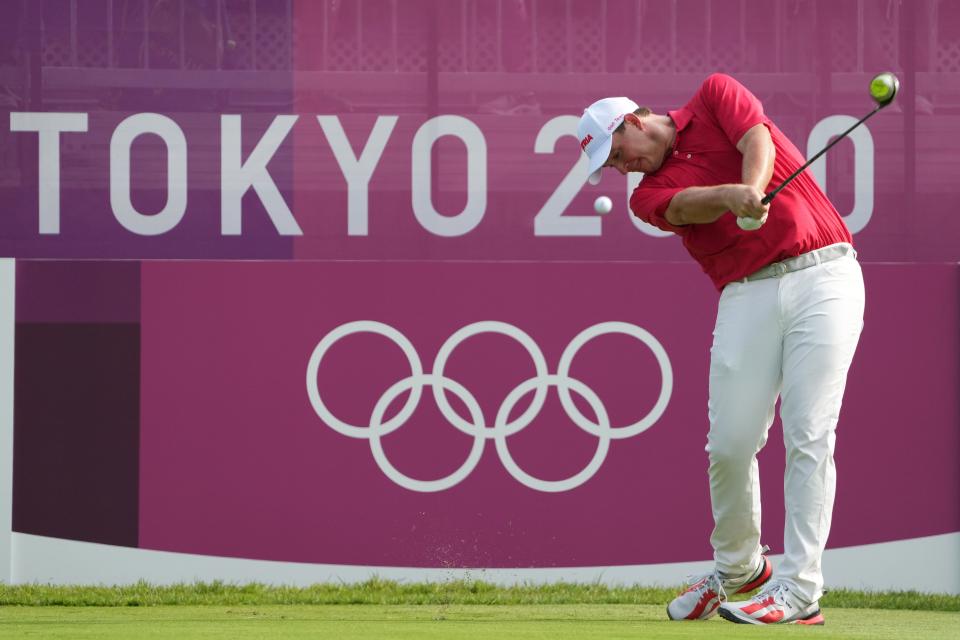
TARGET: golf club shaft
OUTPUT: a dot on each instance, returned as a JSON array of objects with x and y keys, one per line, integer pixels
[{"x": 767, "y": 198}]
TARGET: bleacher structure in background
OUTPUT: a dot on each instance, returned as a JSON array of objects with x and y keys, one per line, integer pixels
[
  {"x": 360, "y": 50},
  {"x": 536, "y": 36}
]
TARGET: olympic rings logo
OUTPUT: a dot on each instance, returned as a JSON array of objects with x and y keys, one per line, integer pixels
[{"x": 477, "y": 427}]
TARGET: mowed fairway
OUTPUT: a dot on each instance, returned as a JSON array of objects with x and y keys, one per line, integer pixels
[{"x": 416, "y": 622}]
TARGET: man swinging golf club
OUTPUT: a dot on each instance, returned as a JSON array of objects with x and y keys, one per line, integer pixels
[{"x": 788, "y": 322}]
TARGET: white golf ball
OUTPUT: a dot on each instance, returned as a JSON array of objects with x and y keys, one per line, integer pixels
[
  {"x": 602, "y": 205},
  {"x": 751, "y": 224}
]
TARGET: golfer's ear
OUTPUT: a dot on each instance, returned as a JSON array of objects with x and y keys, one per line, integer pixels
[{"x": 633, "y": 119}]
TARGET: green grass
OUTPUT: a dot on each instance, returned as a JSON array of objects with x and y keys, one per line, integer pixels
[
  {"x": 380, "y": 609},
  {"x": 384, "y": 592},
  {"x": 450, "y": 622}
]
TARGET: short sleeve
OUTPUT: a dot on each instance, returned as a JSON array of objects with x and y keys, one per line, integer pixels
[
  {"x": 649, "y": 202},
  {"x": 735, "y": 109}
]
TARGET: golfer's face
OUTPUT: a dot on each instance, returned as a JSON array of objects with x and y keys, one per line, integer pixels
[{"x": 634, "y": 149}]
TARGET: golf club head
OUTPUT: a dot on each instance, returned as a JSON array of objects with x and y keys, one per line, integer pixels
[{"x": 884, "y": 87}]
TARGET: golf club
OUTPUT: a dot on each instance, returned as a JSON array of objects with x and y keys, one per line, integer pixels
[{"x": 883, "y": 88}]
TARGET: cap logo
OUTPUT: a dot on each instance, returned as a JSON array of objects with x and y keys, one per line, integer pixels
[{"x": 585, "y": 142}]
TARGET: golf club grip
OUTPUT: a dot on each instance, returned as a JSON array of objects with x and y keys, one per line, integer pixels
[{"x": 770, "y": 196}]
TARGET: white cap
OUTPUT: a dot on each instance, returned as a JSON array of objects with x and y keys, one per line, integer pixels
[{"x": 596, "y": 128}]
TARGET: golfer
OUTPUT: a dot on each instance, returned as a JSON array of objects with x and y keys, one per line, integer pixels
[{"x": 788, "y": 322}]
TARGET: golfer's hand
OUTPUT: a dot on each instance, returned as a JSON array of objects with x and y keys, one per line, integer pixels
[{"x": 744, "y": 201}]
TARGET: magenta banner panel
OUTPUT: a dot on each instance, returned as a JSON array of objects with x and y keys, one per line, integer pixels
[
  {"x": 429, "y": 129},
  {"x": 291, "y": 411}
]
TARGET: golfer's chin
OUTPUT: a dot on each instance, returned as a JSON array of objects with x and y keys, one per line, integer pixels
[{"x": 653, "y": 166}]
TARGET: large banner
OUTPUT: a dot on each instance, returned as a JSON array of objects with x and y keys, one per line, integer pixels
[
  {"x": 437, "y": 415},
  {"x": 317, "y": 283},
  {"x": 368, "y": 129}
]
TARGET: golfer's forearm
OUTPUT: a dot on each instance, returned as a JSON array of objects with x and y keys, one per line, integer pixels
[
  {"x": 758, "y": 155},
  {"x": 698, "y": 205}
]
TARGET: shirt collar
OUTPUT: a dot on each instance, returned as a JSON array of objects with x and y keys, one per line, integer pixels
[{"x": 681, "y": 118}]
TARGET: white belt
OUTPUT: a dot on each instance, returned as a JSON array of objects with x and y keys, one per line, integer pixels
[{"x": 809, "y": 259}]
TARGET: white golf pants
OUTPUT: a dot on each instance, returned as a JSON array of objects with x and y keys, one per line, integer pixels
[{"x": 791, "y": 336}]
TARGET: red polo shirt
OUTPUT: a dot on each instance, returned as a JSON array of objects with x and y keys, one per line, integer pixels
[{"x": 705, "y": 153}]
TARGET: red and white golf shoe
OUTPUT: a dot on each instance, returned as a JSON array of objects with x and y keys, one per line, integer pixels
[
  {"x": 774, "y": 605},
  {"x": 705, "y": 594}
]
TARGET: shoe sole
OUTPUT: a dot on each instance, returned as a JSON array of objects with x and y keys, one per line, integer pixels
[{"x": 815, "y": 618}]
